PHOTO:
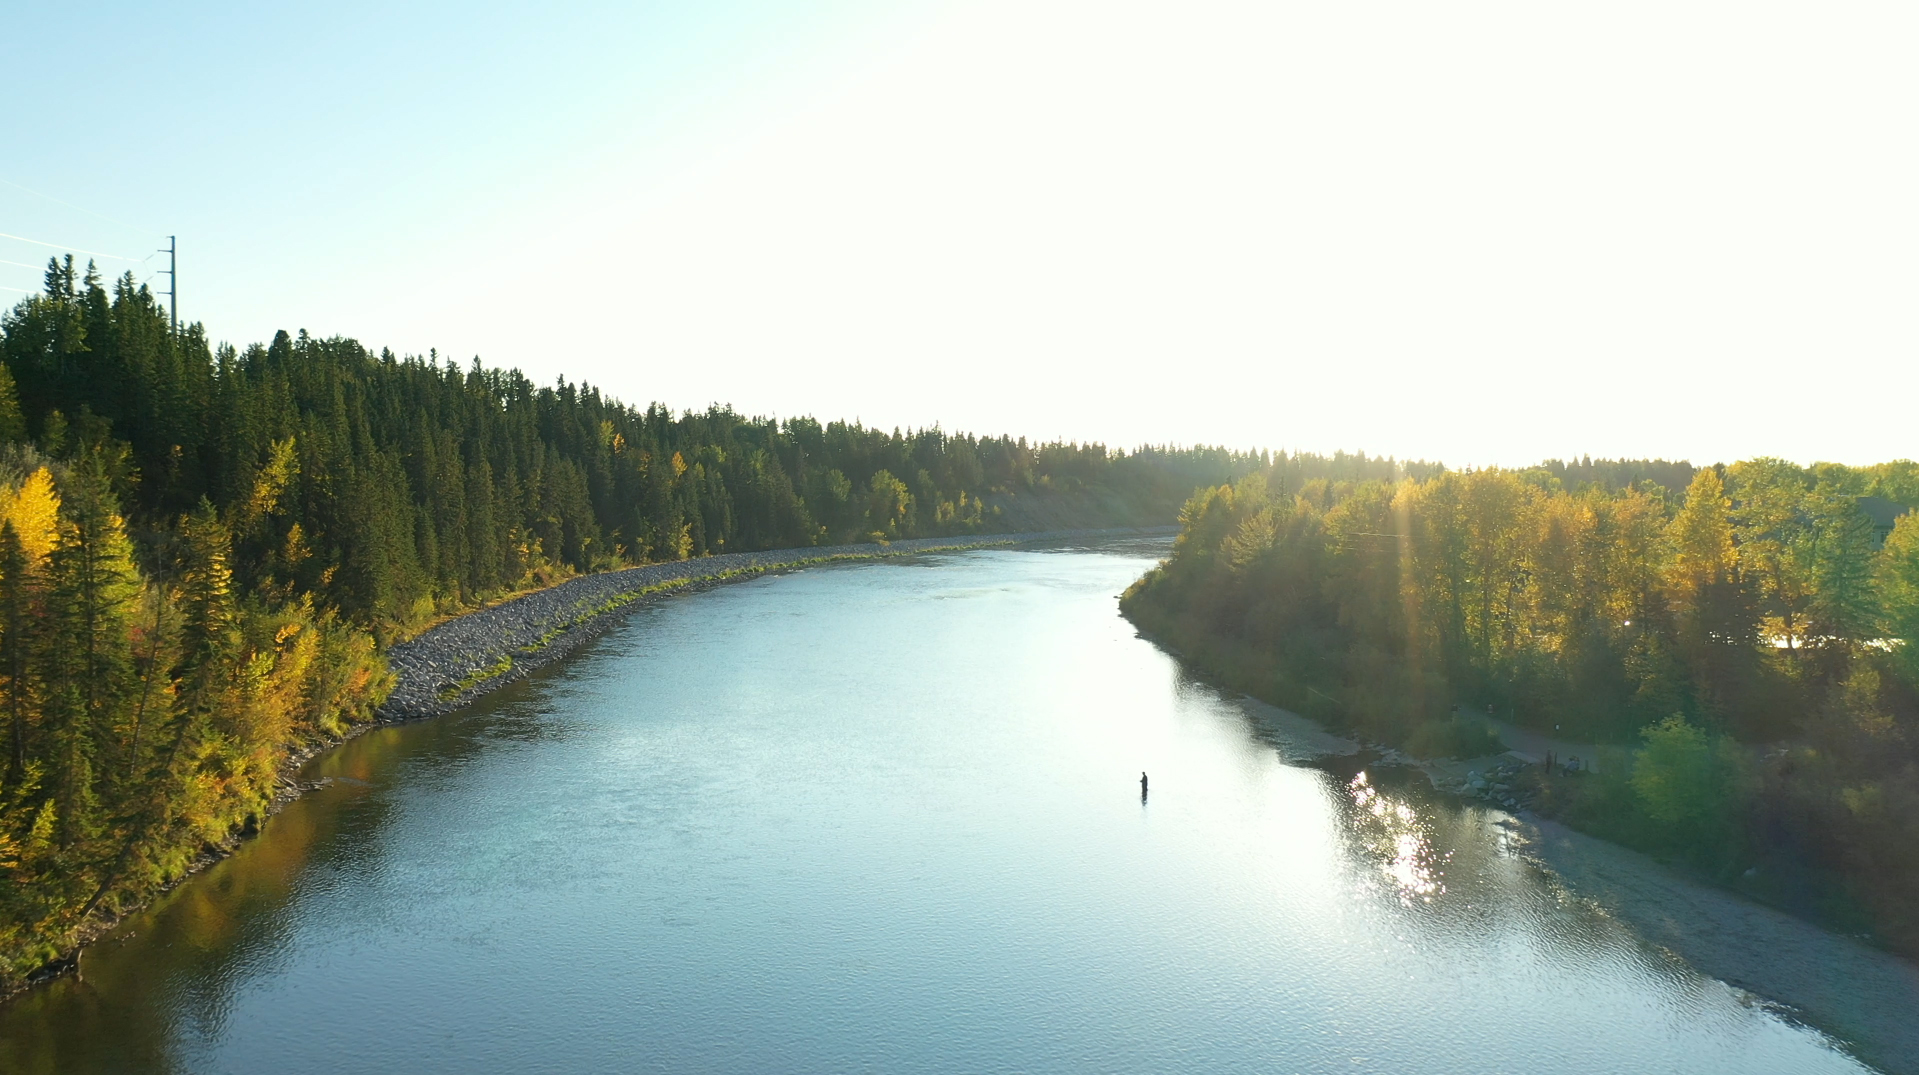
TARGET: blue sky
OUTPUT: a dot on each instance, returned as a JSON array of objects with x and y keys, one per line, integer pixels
[
  {"x": 1485, "y": 232},
  {"x": 295, "y": 150}
]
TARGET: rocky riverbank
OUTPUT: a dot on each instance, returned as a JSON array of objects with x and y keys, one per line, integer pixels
[
  {"x": 458, "y": 661},
  {"x": 455, "y": 662},
  {"x": 1859, "y": 995}
]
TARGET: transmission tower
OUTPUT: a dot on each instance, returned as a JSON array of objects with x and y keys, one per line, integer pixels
[{"x": 172, "y": 251}]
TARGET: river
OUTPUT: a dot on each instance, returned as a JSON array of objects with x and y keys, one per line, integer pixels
[{"x": 887, "y": 818}]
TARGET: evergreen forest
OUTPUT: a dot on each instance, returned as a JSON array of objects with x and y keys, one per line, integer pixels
[
  {"x": 204, "y": 551},
  {"x": 1740, "y": 643}
]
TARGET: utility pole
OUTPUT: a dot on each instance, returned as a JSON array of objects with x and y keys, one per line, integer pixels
[{"x": 172, "y": 252}]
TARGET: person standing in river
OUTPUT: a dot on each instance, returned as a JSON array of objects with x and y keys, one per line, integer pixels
[{"x": 1142, "y": 786}]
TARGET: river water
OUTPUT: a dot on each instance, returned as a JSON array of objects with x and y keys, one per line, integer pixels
[{"x": 883, "y": 818}]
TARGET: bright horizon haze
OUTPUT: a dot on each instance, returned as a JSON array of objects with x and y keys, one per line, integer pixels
[{"x": 1483, "y": 233}]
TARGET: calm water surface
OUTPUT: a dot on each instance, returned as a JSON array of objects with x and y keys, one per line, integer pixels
[{"x": 881, "y": 818}]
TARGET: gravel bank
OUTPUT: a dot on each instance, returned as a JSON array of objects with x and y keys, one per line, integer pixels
[
  {"x": 1866, "y": 998},
  {"x": 466, "y": 657},
  {"x": 1861, "y": 995}
]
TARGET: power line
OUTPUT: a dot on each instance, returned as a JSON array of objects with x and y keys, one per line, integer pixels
[
  {"x": 69, "y": 249},
  {"x": 70, "y": 205},
  {"x": 169, "y": 250}
]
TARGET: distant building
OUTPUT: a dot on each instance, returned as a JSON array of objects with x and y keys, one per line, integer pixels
[{"x": 1883, "y": 513}]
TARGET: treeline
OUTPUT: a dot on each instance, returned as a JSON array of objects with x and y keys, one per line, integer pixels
[
  {"x": 1750, "y": 643},
  {"x": 204, "y": 548},
  {"x": 1617, "y": 474},
  {"x": 407, "y": 485}
]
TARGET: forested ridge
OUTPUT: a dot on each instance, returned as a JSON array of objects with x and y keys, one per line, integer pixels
[
  {"x": 205, "y": 549},
  {"x": 1745, "y": 646}
]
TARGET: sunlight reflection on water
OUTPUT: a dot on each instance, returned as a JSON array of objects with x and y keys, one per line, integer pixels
[{"x": 1391, "y": 830}]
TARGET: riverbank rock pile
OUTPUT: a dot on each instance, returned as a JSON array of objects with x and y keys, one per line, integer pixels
[
  {"x": 454, "y": 663},
  {"x": 1498, "y": 784}
]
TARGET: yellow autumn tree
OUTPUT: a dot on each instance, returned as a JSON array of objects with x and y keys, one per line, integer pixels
[
  {"x": 33, "y": 507},
  {"x": 1703, "y": 555}
]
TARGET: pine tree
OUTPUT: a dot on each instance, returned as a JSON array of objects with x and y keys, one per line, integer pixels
[
  {"x": 93, "y": 589},
  {"x": 13, "y": 425},
  {"x": 1844, "y": 606}
]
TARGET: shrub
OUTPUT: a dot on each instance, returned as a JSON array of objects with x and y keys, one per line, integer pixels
[{"x": 1455, "y": 737}]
